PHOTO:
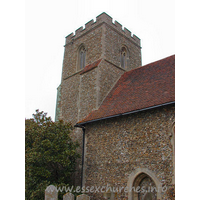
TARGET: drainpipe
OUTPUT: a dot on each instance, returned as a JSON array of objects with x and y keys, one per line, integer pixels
[{"x": 83, "y": 155}]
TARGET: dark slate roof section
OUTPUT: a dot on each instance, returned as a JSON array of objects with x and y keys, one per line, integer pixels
[
  {"x": 91, "y": 66},
  {"x": 145, "y": 87}
]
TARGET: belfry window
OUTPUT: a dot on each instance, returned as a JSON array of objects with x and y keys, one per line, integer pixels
[
  {"x": 82, "y": 57},
  {"x": 123, "y": 57}
]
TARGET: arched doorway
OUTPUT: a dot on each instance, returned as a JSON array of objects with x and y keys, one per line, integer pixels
[
  {"x": 147, "y": 188},
  {"x": 143, "y": 185}
]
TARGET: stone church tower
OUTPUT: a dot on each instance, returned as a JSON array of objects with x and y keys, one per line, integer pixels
[{"x": 94, "y": 59}]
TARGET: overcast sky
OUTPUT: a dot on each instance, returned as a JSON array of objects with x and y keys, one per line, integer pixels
[{"x": 48, "y": 22}]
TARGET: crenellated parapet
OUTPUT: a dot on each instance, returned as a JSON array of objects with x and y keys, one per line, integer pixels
[{"x": 102, "y": 18}]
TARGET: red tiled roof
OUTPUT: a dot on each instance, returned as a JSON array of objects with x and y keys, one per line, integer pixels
[
  {"x": 91, "y": 66},
  {"x": 143, "y": 87}
]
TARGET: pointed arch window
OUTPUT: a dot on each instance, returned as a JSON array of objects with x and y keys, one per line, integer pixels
[
  {"x": 82, "y": 57},
  {"x": 123, "y": 57},
  {"x": 148, "y": 184}
]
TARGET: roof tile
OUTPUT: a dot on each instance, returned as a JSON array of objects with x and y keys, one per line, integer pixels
[{"x": 143, "y": 87}]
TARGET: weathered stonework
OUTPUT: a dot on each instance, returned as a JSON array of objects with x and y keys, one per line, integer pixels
[
  {"x": 108, "y": 76},
  {"x": 79, "y": 94},
  {"x": 58, "y": 106},
  {"x": 116, "y": 147},
  {"x": 83, "y": 197},
  {"x": 87, "y": 93},
  {"x": 130, "y": 150},
  {"x": 68, "y": 196},
  {"x": 51, "y": 193},
  {"x": 82, "y": 93},
  {"x": 114, "y": 42}
]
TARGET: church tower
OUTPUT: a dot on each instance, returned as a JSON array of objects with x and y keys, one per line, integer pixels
[{"x": 94, "y": 59}]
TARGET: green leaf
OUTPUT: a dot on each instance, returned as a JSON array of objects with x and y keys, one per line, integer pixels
[{"x": 50, "y": 154}]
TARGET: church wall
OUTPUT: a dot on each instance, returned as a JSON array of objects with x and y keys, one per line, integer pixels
[
  {"x": 88, "y": 93},
  {"x": 70, "y": 92},
  {"x": 71, "y": 79},
  {"x": 118, "y": 146},
  {"x": 114, "y": 41},
  {"x": 69, "y": 106},
  {"x": 93, "y": 44},
  {"x": 108, "y": 76}
]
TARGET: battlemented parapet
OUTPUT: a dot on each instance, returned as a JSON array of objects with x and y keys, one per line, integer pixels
[
  {"x": 102, "y": 18},
  {"x": 101, "y": 40}
]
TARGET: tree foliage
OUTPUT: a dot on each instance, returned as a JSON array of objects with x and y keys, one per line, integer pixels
[{"x": 50, "y": 154}]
